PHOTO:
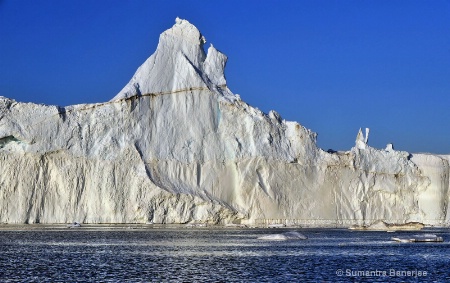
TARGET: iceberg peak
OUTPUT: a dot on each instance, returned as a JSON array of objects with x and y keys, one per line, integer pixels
[
  {"x": 184, "y": 30},
  {"x": 361, "y": 140},
  {"x": 179, "y": 64}
]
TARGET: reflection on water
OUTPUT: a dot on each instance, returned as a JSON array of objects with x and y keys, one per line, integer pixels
[{"x": 216, "y": 255}]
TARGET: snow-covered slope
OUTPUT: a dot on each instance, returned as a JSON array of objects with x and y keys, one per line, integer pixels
[{"x": 177, "y": 146}]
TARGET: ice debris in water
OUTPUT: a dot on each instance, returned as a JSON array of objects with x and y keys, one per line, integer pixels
[
  {"x": 284, "y": 236},
  {"x": 418, "y": 238}
]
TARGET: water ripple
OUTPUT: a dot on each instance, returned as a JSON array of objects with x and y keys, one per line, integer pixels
[{"x": 221, "y": 255}]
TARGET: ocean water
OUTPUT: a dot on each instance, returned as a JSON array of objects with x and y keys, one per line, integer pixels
[{"x": 217, "y": 255}]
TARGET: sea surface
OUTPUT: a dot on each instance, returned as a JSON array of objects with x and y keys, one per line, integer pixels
[{"x": 121, "y": 254}]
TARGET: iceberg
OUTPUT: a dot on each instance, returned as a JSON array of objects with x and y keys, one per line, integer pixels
[{"x": 176, "y": 145}]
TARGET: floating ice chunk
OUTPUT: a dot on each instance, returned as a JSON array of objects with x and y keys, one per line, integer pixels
[
  {"x": 418, "y": 238},
  {"x": 284, "y": 237}
]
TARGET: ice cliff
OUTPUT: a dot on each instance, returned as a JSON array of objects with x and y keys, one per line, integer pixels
[{"x": 177, "y": 146}]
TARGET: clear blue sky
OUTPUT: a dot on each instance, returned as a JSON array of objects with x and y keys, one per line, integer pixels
[{"x": 333, "y": 66}]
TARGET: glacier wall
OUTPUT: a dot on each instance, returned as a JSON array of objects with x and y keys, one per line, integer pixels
[{"x": 177, "y": 146}]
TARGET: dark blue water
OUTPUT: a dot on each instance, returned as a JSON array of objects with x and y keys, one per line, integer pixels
[{"x": 218, "y": 255}]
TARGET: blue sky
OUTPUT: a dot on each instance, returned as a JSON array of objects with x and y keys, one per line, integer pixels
[{"x": 333, "y": 66}]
